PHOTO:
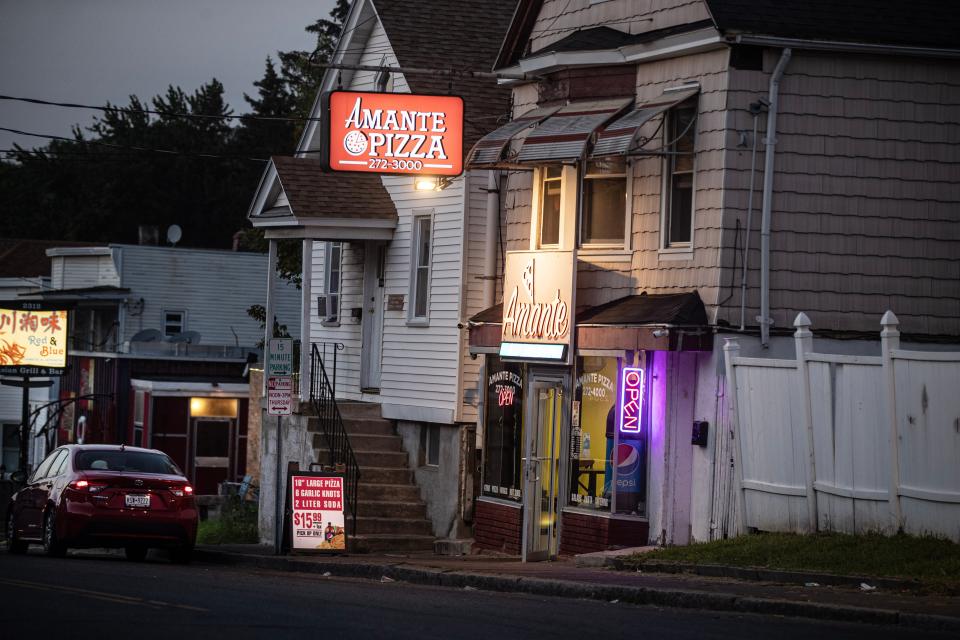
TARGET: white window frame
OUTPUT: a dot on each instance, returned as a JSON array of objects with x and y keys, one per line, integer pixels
[
  {"x": 540, "y": 180},
  {"x": 330, "y": 314},
  {"x": 610, "y": 251},
  {"x": 677, "y": 251},
  {"x": 183, "y": 322},
  {"x": 416, "y": 225}
]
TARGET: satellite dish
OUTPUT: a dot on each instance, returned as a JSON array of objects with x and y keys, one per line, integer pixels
[
  {"x": 174, "y": 233},
  {"x": 147, "y": 335}
]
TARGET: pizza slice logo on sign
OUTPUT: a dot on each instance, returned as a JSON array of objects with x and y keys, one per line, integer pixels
[{"x": 393, "y": 133}]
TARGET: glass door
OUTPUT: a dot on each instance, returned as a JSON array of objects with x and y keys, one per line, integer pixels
[{"x": 542, "y": 469}]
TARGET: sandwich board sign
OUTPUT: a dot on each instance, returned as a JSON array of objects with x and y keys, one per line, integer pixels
[{"x": 316, "y": 512}]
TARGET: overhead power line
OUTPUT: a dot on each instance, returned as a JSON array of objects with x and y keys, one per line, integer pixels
[{"x": 132, "y": 147}]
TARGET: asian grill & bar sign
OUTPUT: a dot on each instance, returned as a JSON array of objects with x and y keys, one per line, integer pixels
[
  {"x": 33, "y": 341},
  {"x": 537, "y": 305},
  {"x": 393, "y": 133}
]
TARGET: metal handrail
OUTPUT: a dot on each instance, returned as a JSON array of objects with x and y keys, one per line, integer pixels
[{"x": 324, "y": 402}]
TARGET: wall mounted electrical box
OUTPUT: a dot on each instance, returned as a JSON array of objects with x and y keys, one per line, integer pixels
[{"x": 699, "y": 434}]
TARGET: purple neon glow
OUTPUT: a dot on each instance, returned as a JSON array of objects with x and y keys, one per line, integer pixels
[{"x": 631, "y": 399}]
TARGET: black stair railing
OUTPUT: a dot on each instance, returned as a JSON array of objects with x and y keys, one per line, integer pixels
[{"x": 324, "y": 402}]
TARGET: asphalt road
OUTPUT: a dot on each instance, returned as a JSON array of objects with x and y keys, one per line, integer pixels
[{"x": 101, "y": 595}]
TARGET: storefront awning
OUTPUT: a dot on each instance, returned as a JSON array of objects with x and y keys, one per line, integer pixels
[
  {"x": 666, "y": 321},
  {"x": 620, "y": 136},
  {"x": 489, "y": 150},
  {"x": 563, "y": 136}
]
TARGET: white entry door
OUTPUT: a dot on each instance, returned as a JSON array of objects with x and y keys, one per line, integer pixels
[{"x": 372, "y": 316}]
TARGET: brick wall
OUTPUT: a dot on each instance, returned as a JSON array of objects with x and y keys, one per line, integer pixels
[
  {"x": 498, "y": 527},
  {"x": 581, "y": 533}
]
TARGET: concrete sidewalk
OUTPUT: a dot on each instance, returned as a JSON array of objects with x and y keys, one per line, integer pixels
[{"x": 564, "y": 579}]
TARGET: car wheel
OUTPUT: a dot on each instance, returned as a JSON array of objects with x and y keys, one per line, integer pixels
[
  {"x": 51, "y": 546},
  {"x": 136, "y": 554},
  {"x": 182, "y": 554},
  {"x": 13, "y": 545}
]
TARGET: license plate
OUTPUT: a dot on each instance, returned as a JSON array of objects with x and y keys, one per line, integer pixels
[{"x": 138, "y": 500}]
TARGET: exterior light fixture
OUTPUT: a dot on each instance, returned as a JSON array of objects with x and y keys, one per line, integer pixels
[{"x": 430, "y": 183}]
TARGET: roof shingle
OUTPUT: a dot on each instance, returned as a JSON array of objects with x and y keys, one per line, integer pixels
[{"x": 312, "y": 193}]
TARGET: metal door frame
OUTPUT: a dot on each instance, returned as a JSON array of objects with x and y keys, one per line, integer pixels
[{"x": 550, "y": 378}]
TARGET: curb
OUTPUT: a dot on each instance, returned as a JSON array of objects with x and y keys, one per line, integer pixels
[
  {"x": 760, "y": 574},
  {"x": 675, "y": 598}
]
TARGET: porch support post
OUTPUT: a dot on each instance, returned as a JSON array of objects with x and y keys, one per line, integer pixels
[
  {"x": 306, "y": 298},
  {"x": 804, "y": 345},
  {"x": 270, "y": 304}
]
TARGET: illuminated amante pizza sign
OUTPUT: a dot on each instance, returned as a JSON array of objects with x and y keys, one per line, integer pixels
[
  {"x": 393, "y": 133},
  {"x": 537, "y": 305},
  {"x": 32, "y": 341}
]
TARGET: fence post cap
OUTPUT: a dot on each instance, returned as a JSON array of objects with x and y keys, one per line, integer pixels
[
  {"x": 889, "y": 320},
  {"x": 802, "y": 321},
  {"x": 730, "y": 344}
]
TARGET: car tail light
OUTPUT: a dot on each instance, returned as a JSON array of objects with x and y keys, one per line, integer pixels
[
  {"x": 90, "y": 487},
  {"x": 186, "y": 490}
]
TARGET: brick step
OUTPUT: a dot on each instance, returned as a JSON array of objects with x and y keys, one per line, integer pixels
[
  {"x": 386, "y": 475},
  {"x": 379, "y": 542},
  {"x": 377, "y": 492},
  {"x": 393, "y": 525},
  {"x": 359, "y": 409},
  {"x": 382, "y": 459},
  {"x": 392, "y": 509}
]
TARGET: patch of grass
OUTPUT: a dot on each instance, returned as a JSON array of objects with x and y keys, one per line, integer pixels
[
  {"x": 237, "y": 524},
  {"x": 930, "y": 560}
]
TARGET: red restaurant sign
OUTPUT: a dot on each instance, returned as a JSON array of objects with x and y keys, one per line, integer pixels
[
  {"x": 317, "y": 515},
  {"x": 393, "y": 133}
]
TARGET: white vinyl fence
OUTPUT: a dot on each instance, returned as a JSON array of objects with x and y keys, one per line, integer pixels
[{"x": 848, "y": 443}]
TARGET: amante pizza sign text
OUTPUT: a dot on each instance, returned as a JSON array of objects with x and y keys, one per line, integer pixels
[{"x": 391, "y": 133}]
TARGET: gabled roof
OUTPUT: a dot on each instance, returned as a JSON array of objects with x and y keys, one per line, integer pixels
[
  {"x": 452, "y": 33},
  {"x": 312, "y": 193},
  {"x": 28, "y": 258},
  {"x": 916, "y": 23}
]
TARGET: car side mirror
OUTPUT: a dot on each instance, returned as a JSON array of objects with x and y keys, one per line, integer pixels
[{"x": 19, "y": 476}]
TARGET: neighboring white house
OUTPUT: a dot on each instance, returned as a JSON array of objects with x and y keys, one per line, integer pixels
[{"x": 393, "y": 273}]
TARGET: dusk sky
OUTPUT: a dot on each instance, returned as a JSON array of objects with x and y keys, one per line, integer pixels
[{"x": 95, "y": 51}]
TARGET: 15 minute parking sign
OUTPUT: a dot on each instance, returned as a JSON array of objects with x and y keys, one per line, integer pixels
[{"x": 279, "y": 377}]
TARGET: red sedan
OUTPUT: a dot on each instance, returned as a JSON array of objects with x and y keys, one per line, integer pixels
[{"x": 104, "y": 496}]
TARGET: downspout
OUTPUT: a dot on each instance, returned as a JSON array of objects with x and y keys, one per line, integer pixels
[
  {"x": 490, "y": 240},
  {"x": 769, "y": 153}
]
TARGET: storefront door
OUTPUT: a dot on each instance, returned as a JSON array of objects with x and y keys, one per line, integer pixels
[
  {"x": 541, "y": 467},
  {"x": 211, "y": 453}
]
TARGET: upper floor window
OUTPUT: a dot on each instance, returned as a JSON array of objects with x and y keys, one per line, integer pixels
[
  {"x": 174, "y": 323},
  {"x": 420, "y": 269},
  {"x": 330, "y": 311},
  {"x": 550, "y": 188},
  {"x": 604, "y": 202},
  {"x": 678, "y": 177}
]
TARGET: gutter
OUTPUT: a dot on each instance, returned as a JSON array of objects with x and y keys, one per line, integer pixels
[
  {"x": 769, "y": 154},
  {"x": 851, "y": 47}
]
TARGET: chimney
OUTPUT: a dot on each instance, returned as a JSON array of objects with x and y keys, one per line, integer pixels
[{"x": 149, "y": 234}]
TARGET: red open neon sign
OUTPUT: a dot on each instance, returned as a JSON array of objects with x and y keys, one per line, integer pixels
[{"x": 631, "y": 400}]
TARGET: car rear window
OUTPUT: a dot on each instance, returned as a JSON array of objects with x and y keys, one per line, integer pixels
[{"x": 137, "y": 461}]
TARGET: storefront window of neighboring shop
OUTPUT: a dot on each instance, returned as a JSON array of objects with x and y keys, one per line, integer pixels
[
  {"x": 503, "y": 430},
  {"x": 608, "y": 465}
]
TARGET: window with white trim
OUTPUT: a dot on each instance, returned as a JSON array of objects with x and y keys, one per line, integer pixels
[
  {"x": 551, "y": 185},
  {"x": 174, "y": 323},
  {"x": 680, "y": 132},
  {"x": 419, "y": 309},
  {"x": 330, "y": 309},
  {"x": 604, "y": 203}
]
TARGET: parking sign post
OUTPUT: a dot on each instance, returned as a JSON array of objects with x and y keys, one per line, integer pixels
[{"x": 279, "y": 403}]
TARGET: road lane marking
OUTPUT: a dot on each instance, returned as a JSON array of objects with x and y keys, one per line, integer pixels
[{"x": 100, "y": 595}]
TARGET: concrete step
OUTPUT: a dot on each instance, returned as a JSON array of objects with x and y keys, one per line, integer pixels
[
  {"x": 392, "y": 509},
  {"x": 369, "y": 426},
  {"x": 380, "y": 542},
  {"x": 383, "y": 459},
  {"x": 371, "y": 442},
  {"x": 386, "y": 475},
  {"x": 394, "y": 525},
  {"x": 359, "y": 409},
  {"x": 404, "y": 492}
]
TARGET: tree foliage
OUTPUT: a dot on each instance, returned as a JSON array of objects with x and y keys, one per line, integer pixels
[{"x": 98, "y": 187}]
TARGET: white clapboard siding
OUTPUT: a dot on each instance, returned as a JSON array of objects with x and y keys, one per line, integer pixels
[
  {"x": 84, "y": 271},
  {"x": 214, "y": 288}
]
